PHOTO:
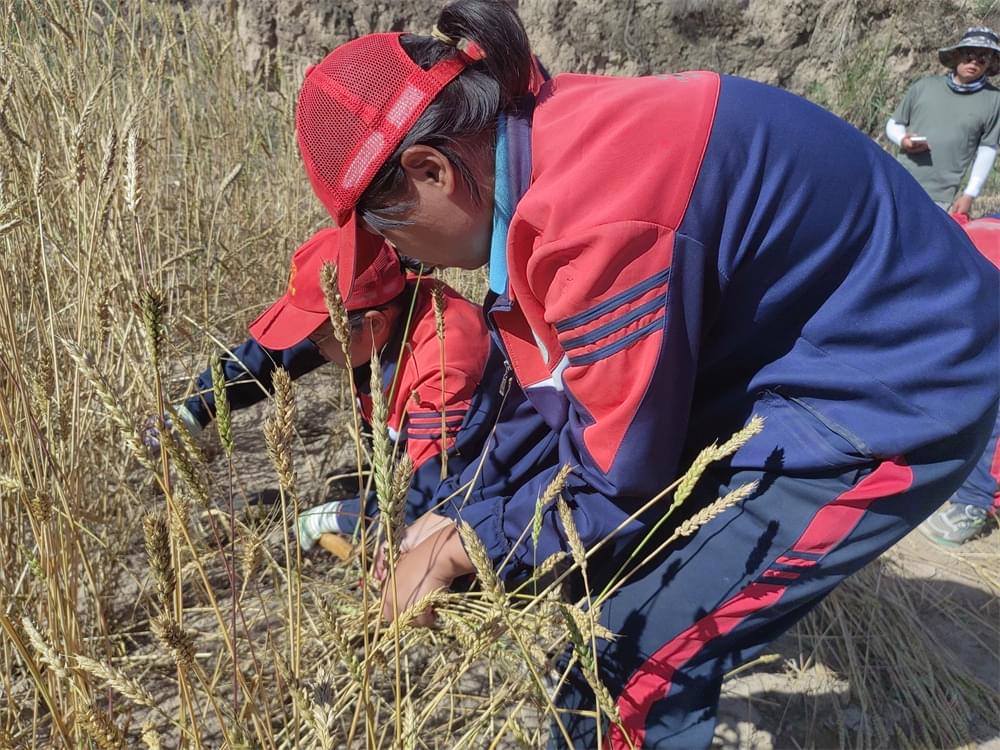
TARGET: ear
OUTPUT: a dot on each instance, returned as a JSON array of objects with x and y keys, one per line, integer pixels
[
  {"x": 427, "y": 167},
  {"x": 377, "y": 326}
]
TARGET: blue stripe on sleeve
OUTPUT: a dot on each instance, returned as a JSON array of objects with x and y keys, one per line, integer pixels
[
  {"x": 617, "y": 346},
  {"x": 621, "y": 298}
]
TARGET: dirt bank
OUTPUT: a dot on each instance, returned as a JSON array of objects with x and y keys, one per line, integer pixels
[{"x": 854, "y": 57}]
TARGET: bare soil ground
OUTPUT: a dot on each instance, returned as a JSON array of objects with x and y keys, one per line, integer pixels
[
  {"x": 797, "y": 701},
  {"x": 792, "y": 697}
]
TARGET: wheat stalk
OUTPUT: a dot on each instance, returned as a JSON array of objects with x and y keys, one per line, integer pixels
[
  {"x": 110, "y": 402},
  {"x": 79, "y": 132},
  {"x": 551, "y": 492},
  {"x": 186, "y": 459},
  {"x": 549, "y": 564},
  {"x": 39, "y": 175},
  {"x": 438, "y": 303},
  {"x": 278, "y": 430},
  {"x": 223, "y": 420},
  {"x": 133, "y": 192},
  {"x": 40, "y": 505},
  {"x": 335, "y": 306},
  {"x": 481, "y": 561},
  {"x": 402, "y": 476},
  {"x": 46, "y": 653},
  {"x": 572, "y": 534},
  {"x": 110, "y": 150},
  {"x": 157, "y": 538},
  {"x": 102, "y": 730},
  {"x": 588, "y": 661},
  {"x": 381, "y": 449},
  {"x": 316, "y": 708},
  {"x": 154, "y": 305},
  {"x": 150, "y": 736},
  {"x": 712, "y": 454},
  {"x": 118, "y": 680},
  {"x": 175, "y": 639},
  {"x": 702, "y": 517},
  {"x": 338, "y": 633},
  {"x": 251, "y": 555}
]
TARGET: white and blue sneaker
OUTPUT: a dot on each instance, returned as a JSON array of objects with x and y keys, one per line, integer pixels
[{"x": 954, "y": 524}]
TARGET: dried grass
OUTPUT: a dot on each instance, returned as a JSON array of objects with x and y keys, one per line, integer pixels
[{"x": 141, "y": 175}]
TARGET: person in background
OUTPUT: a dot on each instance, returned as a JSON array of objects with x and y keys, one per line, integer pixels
[
  {"x": 972, "y": 509},
  {"x": 663, "y": 265},
  {"x": 945, "y": 123}
]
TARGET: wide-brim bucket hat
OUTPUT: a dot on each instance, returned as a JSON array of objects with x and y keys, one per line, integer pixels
[{"x": 980, "y": 37}]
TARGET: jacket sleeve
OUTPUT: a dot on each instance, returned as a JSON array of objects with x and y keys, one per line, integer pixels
[
  {"x": 623, "y": 304},
  {"x": 425, "y": 405},
  {"x": 249, "y": 371},
  {"x": 505, "y": 444}
]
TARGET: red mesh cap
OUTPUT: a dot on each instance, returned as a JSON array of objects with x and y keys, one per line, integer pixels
[
  {"x": 368, "y": 275},
  {"x": 354, "y": 109}
]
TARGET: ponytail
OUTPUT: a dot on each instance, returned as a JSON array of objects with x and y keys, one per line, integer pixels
[
  {"x": 499, "y": 74},
  {"x": 497, "y": 30}
]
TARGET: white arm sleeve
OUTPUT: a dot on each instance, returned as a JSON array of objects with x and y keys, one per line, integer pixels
[
  {"x": 985, "y": 155},
  {"x": 895, "y": 131}
]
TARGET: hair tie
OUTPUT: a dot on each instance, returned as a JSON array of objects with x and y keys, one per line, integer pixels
[
  {"x": 467, "y": 48},
  {"x": 442, "y": 37}
]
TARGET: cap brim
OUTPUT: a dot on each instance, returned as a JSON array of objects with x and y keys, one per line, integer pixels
[
  {"x": 367, "y": 246},
  {"x": 283, "y": 325}
]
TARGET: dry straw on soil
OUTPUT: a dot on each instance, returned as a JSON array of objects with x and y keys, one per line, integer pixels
[{"x": 150, "y": 195}]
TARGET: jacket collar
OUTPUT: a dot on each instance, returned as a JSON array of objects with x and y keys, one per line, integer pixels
[{"x": 511, "y": 179}]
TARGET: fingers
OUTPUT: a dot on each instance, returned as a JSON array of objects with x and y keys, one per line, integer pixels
[
  {"x": 409, "y": 593},
  {"x": 430, "y": 566},
  {"x": 378, "y": 567}
]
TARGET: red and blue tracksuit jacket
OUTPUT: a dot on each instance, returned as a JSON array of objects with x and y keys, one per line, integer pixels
[
  {"x": 677, "y": 253},
  {"x": 982, "y": 488},
  {"x": 415, "y": 393}
]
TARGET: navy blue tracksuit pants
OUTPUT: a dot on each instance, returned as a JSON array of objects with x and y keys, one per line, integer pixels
[
  {"x": 982, "y": 485},
  {"x": 743, "y": 579}
]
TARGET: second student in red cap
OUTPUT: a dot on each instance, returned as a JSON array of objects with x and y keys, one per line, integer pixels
[{"x": 295, "y": 333}]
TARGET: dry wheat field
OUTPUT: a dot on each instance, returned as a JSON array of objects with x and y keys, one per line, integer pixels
[{"x": 150, "y": 196}]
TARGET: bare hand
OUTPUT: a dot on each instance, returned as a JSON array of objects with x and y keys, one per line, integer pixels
[
  {"x": 415, "y": 533},
  {"x": 910, "y": 147},
  {"x": 429, "y": 566},
  {"x": 962, "y": 205}
]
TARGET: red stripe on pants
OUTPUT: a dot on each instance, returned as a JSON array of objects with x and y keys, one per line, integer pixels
[
  {"x": 835, "y": 521},
  {"x": 828, "y": 528},
  {"x": 995, "y": 473}
]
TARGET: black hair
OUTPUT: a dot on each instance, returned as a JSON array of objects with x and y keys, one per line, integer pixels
[
  {"x": 412, "y": 265},
  {"x": 465, "y": 109},
  {"x": 355, "y": 318}
]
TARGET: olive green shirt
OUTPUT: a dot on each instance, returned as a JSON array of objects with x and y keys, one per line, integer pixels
[{"x": 954, "y": 124}]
